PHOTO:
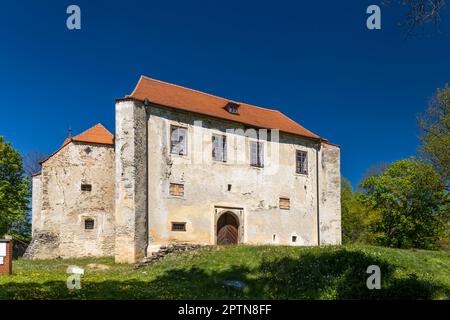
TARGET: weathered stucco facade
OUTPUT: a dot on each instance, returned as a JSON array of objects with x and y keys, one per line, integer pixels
[
  {"x": 212, "y": 188},
  {"x": 136, "y": 206},
  {"x": 61, "y": 207}
]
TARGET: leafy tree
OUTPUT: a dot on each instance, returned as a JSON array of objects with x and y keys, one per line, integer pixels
[
  {"x": 376, "y": 169},
  {"x": 357, "y": 218},
  {"x": 413, "y": 204},
  {"x": 435, "y": 127},
  {"x": 14, "y": 193}
]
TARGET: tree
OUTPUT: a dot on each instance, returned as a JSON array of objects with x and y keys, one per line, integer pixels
[
  {"x": 376, "y": 169},
  {"x": 420, "y": 13},
  {"x": 357, "y": 219},
  {"x": 435, "y": 134},
  {"x": 32, "y": 162},
  {"x": 14, "y": 193},
  {"x": 413, "y": 204}
]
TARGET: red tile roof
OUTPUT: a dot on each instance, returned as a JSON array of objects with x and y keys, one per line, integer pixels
[
  {"x": 170, "y": 95},
  {"x": 98, "y": 134}
]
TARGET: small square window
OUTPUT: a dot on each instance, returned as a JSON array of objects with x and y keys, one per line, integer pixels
[
  {"x": 88, "y": 224},
  {"x": 285, "y": 203},
  {"x": 178, "y": 226},
  {"x": 86, "y": 187},
  {"x": 232, "y": 107},
  {"x": 294, "y": 239},
  {"x": 176, "y": 189}
]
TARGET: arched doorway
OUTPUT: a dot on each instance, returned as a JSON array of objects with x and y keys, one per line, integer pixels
[{"x": 227, "y": 229}]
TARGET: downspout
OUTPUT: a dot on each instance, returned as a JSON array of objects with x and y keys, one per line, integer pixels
[
  {"x": 147, "y": 215},
  {"x": 318, "y": 190}
]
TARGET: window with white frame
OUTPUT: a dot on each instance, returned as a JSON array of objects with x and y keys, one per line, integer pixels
[
  {"x": 219, "y": 147},
  {"x": 178, "y": 140},
  {"x": 301, "y": 160},
  {"x": 256, "y": 154}
]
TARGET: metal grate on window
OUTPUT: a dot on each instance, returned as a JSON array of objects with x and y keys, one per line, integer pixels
[
  {"x": 88, "y": 224},
  {"x": 86, "y": 187},
  {"x": 178, "y": 226}
]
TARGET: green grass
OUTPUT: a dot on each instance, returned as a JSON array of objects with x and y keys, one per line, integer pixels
[{"x": 270, "y": 273}]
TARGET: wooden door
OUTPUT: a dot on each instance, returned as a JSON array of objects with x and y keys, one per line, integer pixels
[{"x": 227, "y": 230}]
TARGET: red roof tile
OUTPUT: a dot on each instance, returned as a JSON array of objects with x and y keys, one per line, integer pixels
[
  {"x": 98, "y": 134},
  {"x": 178, "y": 97}
]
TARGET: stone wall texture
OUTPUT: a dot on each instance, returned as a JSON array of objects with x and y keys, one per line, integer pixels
[
  {"x": 60, "y": 207},
  {"x": 252, "y": 193},
  {"x": 130, "y": 200},
  {"x": 131, "y": 182}
]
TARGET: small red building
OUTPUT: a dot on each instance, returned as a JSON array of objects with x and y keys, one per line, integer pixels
[{"x": 5, "y": 257}]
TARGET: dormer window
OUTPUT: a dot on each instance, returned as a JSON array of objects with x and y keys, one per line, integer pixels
[{"x": 232, "y": 107}]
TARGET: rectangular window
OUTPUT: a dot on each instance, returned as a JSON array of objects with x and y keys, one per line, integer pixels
[
  {"x": 178, "y": 226},
  {"x": 86, "y": 187},
  {"x": 301, "y": 160},
  {"x": 219, "y": 147},
  {"x": 256, "y": 154},
  {"x": 178, "y": 140},
  {"x": 176, "y": 189},
  {"x": 88, "y": 224},
  {"x": 285, "y": 203}
]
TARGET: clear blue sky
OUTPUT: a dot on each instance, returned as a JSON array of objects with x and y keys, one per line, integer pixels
[{"x": 314, "y": 60}]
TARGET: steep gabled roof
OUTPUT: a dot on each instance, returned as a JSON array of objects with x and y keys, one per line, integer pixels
[
  {"x": 98, "y": 134},
  {"x": 170, "y": 95}
]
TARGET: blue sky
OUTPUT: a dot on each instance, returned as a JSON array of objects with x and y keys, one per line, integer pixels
[{"x": 314, "y": 60}]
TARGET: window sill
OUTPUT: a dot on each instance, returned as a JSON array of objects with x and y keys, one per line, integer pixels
[
  {"x": 301, "y": 174},
  {"x": 219, "y": 161},
  {"x": 176, "y": 197},
  {"x": 179, "y": 155}
]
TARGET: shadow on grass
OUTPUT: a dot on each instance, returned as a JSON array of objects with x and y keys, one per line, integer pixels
[{"x": 337, "y": 274}]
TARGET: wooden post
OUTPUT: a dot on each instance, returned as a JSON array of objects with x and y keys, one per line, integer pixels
[{"x": 6, "y": 257}]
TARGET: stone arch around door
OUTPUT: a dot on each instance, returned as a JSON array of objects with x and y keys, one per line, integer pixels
[{"x": 234, "y": 218}]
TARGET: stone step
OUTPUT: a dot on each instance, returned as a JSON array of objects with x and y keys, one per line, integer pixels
[
  {"x": 157, "y": 252},
  {"x": 152, "y": 248}
]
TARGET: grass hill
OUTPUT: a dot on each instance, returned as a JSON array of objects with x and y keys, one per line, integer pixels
[{"x": 268, "y": 272}]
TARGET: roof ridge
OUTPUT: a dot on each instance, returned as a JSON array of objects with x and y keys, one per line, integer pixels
[
  {"x": 90, "y": 128},
  {"x": 198, "y": 91},
  {"x": 193, "y": 100}
]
